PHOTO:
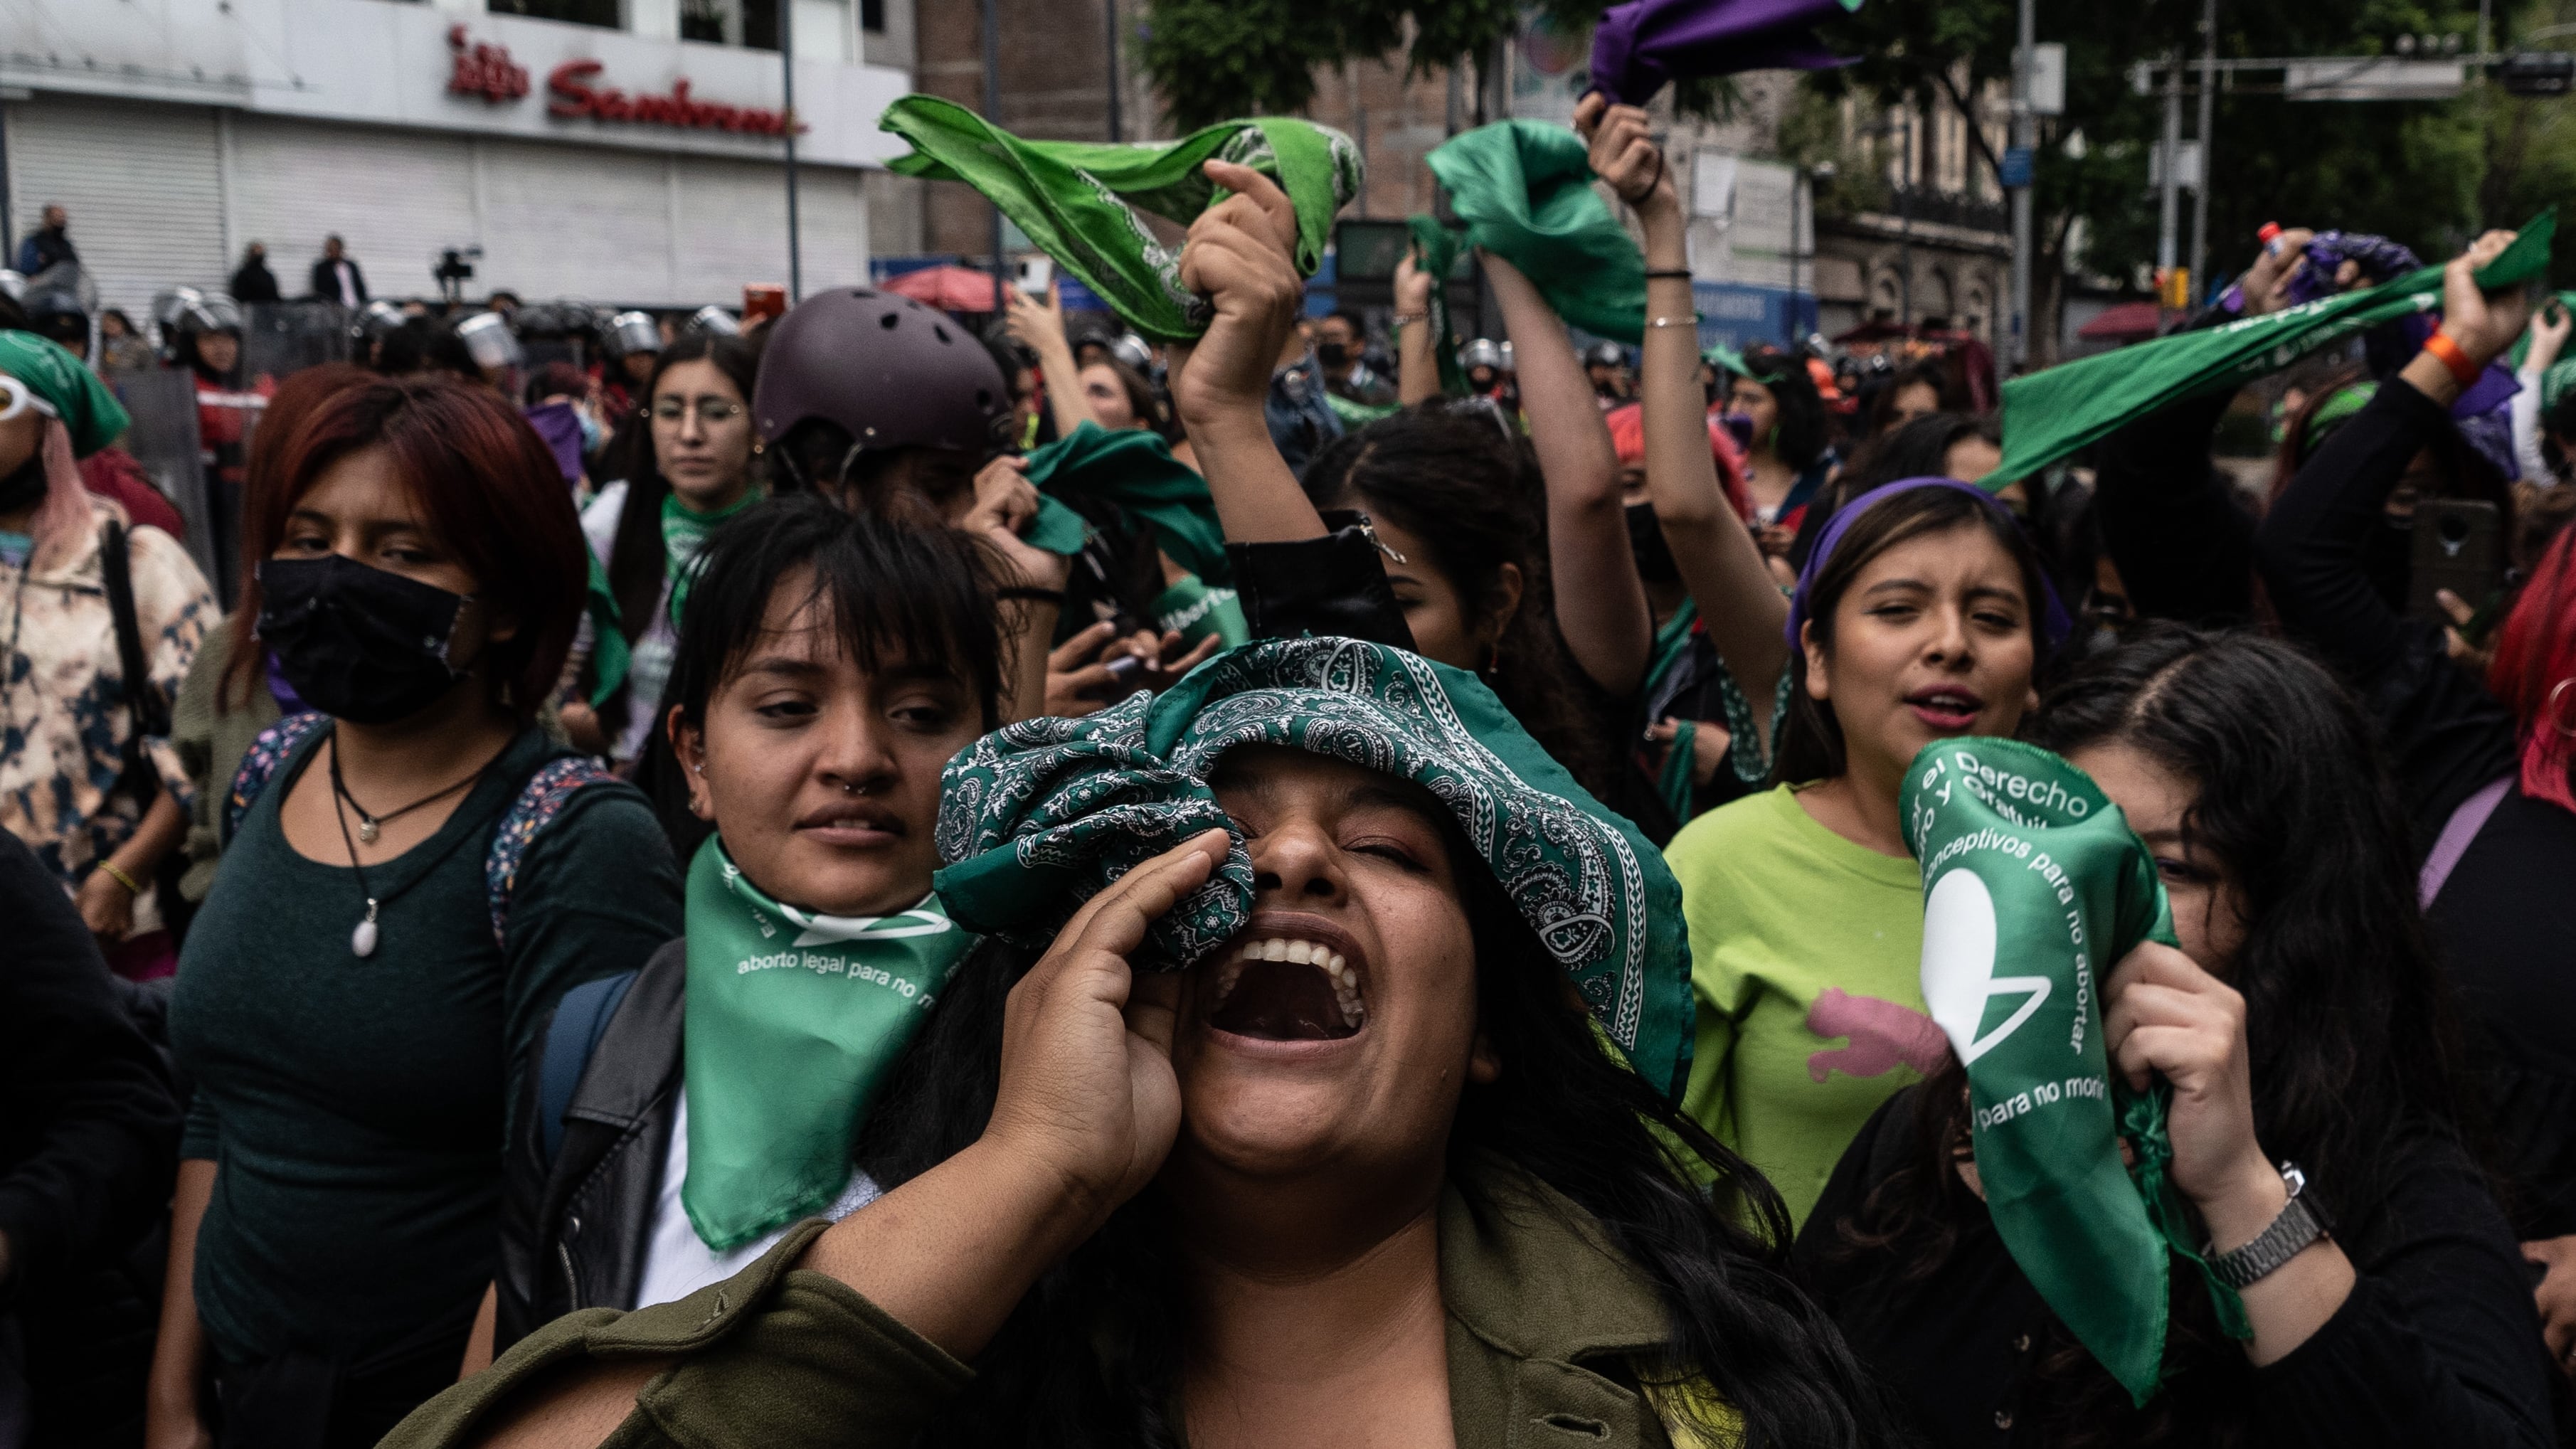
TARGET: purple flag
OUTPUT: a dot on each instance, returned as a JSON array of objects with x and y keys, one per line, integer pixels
[{"x": 1642, "y": 44}]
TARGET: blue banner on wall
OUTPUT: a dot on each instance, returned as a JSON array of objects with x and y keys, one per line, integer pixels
[{"x": 1738, "y": 314}]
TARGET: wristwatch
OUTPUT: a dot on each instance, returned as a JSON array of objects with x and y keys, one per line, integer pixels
[{"x": 2296, "y": 1226}]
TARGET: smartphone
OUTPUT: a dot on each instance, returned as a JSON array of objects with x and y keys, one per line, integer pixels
[
  {"x": 1036, "y": 275},
  {"x": 2459, "y": 546}
]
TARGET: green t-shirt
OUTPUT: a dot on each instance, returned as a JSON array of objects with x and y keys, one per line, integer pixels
[{"x": 1806, "y": 962}]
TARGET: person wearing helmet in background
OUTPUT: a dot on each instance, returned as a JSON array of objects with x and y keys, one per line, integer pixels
[
  {"x": 632, "y": 344},
  {"x": 1488, "y": 375},
  {"x": 205, "y": 333},
  {"x": 1605, "y": 364}
]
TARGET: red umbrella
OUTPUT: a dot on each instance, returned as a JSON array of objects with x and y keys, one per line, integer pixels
[
  {"x": 2126, "y": 322},
  {"x": 948, "y": 288}
]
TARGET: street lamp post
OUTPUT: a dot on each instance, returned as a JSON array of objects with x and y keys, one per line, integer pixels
[
  {"x": 993, "y": 116},
  {"x": 787, "y": 84},
  {"x": 2025, "y": 137},
  {"x": 2208, "y": 93}
]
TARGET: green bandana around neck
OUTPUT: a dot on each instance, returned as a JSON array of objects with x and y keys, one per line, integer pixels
[
  {"x": 2029, "y": 868},
  {"x": 1195, "y": 609},
  {"x": 1078, "y": 201},
  {"x": 684, "y": 533},
  {"x": 1524, "y": 189},
  {"x": 792, "y": 1021},
  {"x": 1039, "y": 816},
  {"x": 1436, "y": 250},
  {"x": 2052, "y": 413},
  {"x": 1135, "y": 469}
]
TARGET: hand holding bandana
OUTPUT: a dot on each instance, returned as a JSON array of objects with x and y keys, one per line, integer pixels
[
  {"x": 1038, "y": 817},
  {"x": 2034, "y": 888},
  {"x": 1077, "y": 201},
  {"x": 2052, "y": 413}
]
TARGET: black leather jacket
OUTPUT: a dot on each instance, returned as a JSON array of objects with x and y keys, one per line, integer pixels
[{"x": 573, "y": 1231}]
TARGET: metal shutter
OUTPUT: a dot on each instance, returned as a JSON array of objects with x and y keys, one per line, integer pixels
[
  {"x": 143, "y": 183},
  {"x": 578, "y": 221},
  {"x": 396, "y": 198},
  {"x": 733, "y": 227}
]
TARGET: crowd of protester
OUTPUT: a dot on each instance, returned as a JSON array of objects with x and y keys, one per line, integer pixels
[{"x": 849, "y": 878}]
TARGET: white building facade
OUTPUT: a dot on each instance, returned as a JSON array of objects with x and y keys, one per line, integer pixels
[{"x": 618, "y": 164}]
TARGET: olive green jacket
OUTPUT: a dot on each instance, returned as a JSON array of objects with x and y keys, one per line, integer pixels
[{"x": 1544, "y": 1319}]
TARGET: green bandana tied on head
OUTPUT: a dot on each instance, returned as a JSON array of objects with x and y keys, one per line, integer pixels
[
  {"x": 1525, "y": 191},
  {"x": 90, "y": 413},
  {"x": 1135, "y": 469},
  {"x": 1077, "y": 201},
  {"x": 1039, "y": 816},
  {"x": 793, "y": 1019},
  {"x": 2028, "y": 868},
  {"x": 2052, "y": 413}
]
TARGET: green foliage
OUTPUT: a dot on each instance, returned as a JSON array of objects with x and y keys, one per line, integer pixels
[
  {"x": 1214, "y": 60},
  {"x": 2409, "y": 170}
]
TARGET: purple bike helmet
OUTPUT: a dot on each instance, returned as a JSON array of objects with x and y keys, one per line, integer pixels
[{"x": 886, "y": 370}]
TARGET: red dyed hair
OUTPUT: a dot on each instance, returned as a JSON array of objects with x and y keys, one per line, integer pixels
[
  {"x": 486, "y": 486},
  {"x": 1628, "y": 440},
  {"x": 2535, "y": 673}
]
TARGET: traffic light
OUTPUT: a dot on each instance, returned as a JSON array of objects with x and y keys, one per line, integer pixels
[
  {"x": 2536, "y": 73},
  {"x": 2173, "y": 288}
]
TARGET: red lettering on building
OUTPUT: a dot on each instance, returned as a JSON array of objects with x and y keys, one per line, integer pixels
[
  {"x": 573, "y": 98},
  {"x": 483, "y": 70}
]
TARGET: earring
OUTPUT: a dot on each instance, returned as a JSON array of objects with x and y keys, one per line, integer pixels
[{"x": 2551, "y": 711}]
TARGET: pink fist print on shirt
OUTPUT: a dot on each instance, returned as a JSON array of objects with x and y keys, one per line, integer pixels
[{"x": 1882, "y": 1034}]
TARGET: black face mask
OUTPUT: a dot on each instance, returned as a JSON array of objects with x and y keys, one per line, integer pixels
[
  {"x": 1646, "y": 540},
  {"x": 358, "y": 643},
  {"x": 1332, "y": 354},
  {"x": 24, "y": 487}
]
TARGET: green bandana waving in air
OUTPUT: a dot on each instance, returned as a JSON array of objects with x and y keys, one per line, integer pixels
[
  {"x": 1078, "y": 201},
  {"x": 2051, "y": 413},
  {"x": 2034, "y": 888},
  {"x": 794, "y": 1019},
  {"x": 1524, "y": 189},
  {"x": 1038, "y": 817}
]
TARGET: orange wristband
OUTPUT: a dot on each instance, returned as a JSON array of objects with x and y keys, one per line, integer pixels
[{"x": 2448, "y": 353}]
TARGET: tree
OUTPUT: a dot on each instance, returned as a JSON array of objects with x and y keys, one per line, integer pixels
[
  {"x": 2408, "y": 170},
  {"x": 1216, "y": 59}
]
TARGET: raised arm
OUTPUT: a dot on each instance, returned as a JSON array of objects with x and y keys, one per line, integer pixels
[
  {"x": 1417, "y": 366},
  {"x": 1238, "y": 257},
  {"x": 1600, "y": 603},
  {"x": 1720, "y": 563},
  {"x": 1039, "y": 326}
]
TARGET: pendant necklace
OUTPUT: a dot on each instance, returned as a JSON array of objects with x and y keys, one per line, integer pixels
[{"x": 362, "y": 941}]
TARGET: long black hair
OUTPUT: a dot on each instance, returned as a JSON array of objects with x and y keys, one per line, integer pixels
[
  {"x": 1471, "y": 493},
  {"x": 1811, "y": 739},
  {"x": 1093, "y": 1354},
  {"x": 2345, "y": 1017},
  {"x": 1800, "y": 436},
  {"x": 636, "y": 559}
]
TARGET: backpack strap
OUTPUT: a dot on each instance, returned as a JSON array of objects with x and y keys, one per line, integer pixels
[
  {"x": 116, "y": 565},
  {"x": 2457, "y": 832},
  {"x": 540, "y": 801},
  {"x": 273, "y": 747},
  {"x": 580, "y": 1019}
]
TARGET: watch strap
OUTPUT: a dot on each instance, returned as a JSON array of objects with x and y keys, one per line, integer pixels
[{"x": 2292, "y": 1229}]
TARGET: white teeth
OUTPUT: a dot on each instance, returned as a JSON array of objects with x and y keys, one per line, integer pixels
[{"x": 1334, "y": 965}]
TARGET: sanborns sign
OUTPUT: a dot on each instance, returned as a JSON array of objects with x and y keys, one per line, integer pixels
[
  {"x": 487, "y": 71},
  {"x": 573, "y": 99}
]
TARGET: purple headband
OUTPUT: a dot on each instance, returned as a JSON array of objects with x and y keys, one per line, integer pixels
[{"x": 2054, "y": 626}]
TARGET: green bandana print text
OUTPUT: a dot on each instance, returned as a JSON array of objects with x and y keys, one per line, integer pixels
[
  {"x": 792, "y": 1021},
  {"x": 2034, "y": 888}
]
